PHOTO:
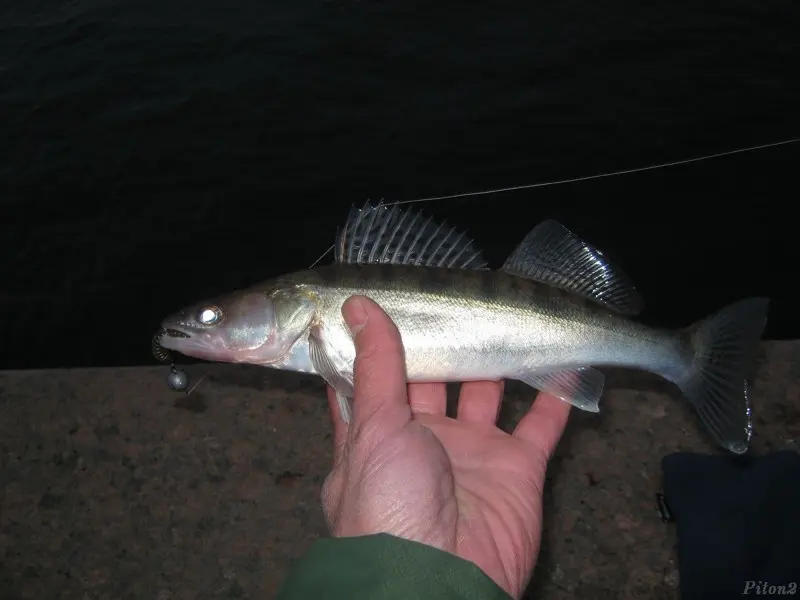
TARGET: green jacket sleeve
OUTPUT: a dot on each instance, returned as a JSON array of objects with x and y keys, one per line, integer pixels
[{"x": 385, "y": 567}]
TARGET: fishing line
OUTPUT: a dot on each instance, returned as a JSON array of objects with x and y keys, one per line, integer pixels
[
  {"x": 530, "y": 186},
  {"x": 178, "y": 380},
  {"x": 196, "y": 384},
  {"x": 588, "y": 177}
]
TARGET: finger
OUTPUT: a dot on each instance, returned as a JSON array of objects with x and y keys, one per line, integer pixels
[
  {"x": 479, "y": 401},
  {"x": 427, "y": 398},
  {"x": 379, "y": 371},
  {"x": 544, "y": 423},
  {"x": 339, "y": 426}
]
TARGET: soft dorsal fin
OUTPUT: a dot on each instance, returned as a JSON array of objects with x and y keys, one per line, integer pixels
[
  {"x": 391, "y": 235},
  {"x": 554, "y": 255}
]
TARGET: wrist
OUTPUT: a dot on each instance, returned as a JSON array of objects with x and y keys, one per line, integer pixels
[{"x": 387, "y": 567}]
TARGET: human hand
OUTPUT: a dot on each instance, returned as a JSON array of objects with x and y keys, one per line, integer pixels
[{"x": 462, "y": 485}]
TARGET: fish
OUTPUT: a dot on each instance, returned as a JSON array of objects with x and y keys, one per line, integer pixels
[{"x": 552, "y": 316}]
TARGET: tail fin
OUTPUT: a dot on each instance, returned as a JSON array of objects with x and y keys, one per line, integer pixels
[{"x": 724, "y": 348}]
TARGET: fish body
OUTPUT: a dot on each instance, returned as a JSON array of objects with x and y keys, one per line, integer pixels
[
  {"x": 555, "y": 311},
  {"x": 462, "y": 325}
]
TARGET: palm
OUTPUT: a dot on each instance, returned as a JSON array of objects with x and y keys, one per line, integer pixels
[
  {"x": 460, "y": 484},
  {"x": 497, "y": 479}
]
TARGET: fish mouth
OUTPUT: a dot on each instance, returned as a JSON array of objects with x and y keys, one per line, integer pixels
[
  {"x": 171, "y": 332},
  {"x": 161, "y": 352},
  {"x": 176, "y": 333}
]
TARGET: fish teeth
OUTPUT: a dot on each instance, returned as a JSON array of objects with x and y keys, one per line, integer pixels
[{"x": 175, "y": 333}]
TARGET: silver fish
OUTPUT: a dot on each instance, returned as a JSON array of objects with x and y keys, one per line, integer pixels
[{"x": 555, "y": 311}]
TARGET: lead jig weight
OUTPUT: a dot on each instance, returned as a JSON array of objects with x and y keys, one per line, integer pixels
[{"x": 177, "y": 379}]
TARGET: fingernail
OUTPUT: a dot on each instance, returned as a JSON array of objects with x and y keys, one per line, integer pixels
[{"x": 355, "y": 315}]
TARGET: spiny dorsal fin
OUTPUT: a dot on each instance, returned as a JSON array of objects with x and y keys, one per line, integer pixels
[
  {"x": 554, "y": 255},
  {"x": 391, "y": 235}
]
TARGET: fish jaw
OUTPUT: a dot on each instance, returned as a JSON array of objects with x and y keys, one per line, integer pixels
[{"x": 196, "y": 344}]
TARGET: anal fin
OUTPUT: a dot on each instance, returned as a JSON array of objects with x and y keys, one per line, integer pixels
[
  {"x": 580, "y": 387},
  {"x": 392, "y": 235},
  {"x": 552, "y": 254},
  {"x": 341, "y": 383}
]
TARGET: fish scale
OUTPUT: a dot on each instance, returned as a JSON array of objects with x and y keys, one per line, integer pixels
[{"x": 487, "y": 321}]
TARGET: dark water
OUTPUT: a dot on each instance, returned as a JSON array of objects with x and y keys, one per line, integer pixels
[{"x": 158, "y": 152}]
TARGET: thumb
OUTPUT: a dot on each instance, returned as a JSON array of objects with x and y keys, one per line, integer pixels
[{"x": 379, "y": 371}]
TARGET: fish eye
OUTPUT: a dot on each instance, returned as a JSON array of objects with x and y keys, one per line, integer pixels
[{"x": 209, "y": 315}]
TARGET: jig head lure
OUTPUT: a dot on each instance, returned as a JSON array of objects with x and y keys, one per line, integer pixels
[{"x": 177, "y": 379}]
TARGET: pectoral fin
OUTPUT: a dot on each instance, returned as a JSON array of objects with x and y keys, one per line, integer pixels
[
  {"x": 324, "y": 365},
  {"x": 580, "y": 387}
]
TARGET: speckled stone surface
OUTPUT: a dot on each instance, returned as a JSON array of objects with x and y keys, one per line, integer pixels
[{"x": 115, "y": 487}]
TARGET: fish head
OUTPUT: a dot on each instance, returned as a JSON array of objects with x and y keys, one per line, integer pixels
[{"x": 242, "y": 327}]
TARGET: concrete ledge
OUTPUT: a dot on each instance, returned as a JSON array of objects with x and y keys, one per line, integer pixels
[{"x": 115, "y": 487}]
